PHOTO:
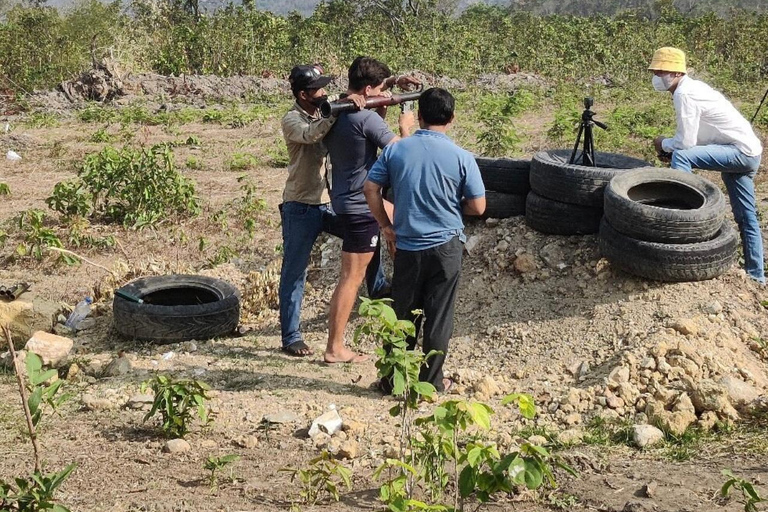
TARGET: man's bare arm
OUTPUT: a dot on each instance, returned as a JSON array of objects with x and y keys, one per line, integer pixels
[{"x": 474, "y": 206}]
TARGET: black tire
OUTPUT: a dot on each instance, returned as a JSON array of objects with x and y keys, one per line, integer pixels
[
  {"x": 664, "y": 205},
  {"x": 507, "y": 175},
  {"x": 670, "y": 262},
  {"x": 177, "y": 308},
  {"x": 553, "y": 177},
  {"x": 501, "y": 206},
  {"x": 556, "y": 218}
]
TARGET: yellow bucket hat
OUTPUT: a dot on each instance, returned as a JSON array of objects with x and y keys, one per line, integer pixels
[{"x": 668, "y": 59}]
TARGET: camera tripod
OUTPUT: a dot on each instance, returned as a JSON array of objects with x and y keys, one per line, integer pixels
[{"x": 585, "y": 128}]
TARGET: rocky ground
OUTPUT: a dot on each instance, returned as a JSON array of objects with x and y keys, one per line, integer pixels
[{"x": 607, "y": 358}]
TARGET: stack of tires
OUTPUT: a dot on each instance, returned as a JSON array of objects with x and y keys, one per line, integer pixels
[
  {"x": 506, "y": 183},
  {"x": 666, "y": 225},
  {"x": 567, "y": 199}
]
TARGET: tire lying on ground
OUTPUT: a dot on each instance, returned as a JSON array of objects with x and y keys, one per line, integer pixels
[
  {"x": 507, "y": 175},
  {"x": 670, "y": 262},
  {"x": 556, "y": 218},
  {"x": 501, "y": 206},
  {"x": 177, "y": 308},
  {"x": 553, "y": 177},
  {"x": 664, "y": 205}
]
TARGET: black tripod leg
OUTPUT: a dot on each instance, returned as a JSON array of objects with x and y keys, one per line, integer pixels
[
  {"x": 759, "y": 107},
  {"x": 576, "y": 146}
]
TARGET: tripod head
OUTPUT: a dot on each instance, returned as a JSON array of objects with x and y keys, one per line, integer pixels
[{"x": 587, "y": 122}]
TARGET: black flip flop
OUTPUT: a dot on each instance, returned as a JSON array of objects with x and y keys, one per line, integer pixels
[{"x": 295, "y": 348}]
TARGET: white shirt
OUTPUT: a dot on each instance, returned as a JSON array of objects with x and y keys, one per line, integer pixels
[{"x": 705, "y": 117}]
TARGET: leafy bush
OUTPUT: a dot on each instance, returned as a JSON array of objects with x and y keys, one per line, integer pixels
[
  {"x": 322, "y": 476},
  {"x": 135, "y": 187},
  {"x": 5, "y": 190},
  {"x": 177, "y": 401},
  {"x": 38, "y": 238}
]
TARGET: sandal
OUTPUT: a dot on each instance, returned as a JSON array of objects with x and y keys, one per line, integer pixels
[{"x": 297, "y": 349}]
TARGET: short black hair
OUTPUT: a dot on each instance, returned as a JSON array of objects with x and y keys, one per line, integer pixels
[
  {"x": 366, "y": 71},
  {"x": 436, "y": 106}
]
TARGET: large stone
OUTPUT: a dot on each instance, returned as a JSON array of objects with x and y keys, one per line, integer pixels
[
  {"x": 94, "y": 403},
  {"x": 685, "y": 326},
  {"x": 710, "y": 396},
  {"x": 176, "y": 446},
  {"x": 740, "y": 393},
  {"x": 618, "y": 375},
  {"x": 118, "y": 367},
  {"x": 553, "y": 255},
  {"x": 486, "y": 388},
  {"x": 676, "y": 421},
  {"x": 349, "y": 449},
  {"x": 26, "y": 315},
  {"x": 646, "y": 435},
  {"x": 525, "y": 263},
  {"x": 50, "y": 347}
]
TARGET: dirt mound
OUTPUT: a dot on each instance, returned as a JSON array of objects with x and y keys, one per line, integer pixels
[{"x": 105, "y": 83}]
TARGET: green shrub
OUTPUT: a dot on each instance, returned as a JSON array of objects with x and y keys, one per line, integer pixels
[
  {"x": 177, "y": 402},
  {"x": 134, "y": 187}
]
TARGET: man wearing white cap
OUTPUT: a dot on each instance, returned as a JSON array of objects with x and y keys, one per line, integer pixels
[{"x": 712, "y": 135}]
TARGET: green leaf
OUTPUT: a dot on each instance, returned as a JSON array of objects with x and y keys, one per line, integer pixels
[
  {"x": 398, "y": 380},
  {"x": 533, "y": 475},
  {"x": 467, "y": 479},
  {"x": 425, "y": 389},
  {"x": 395, "y": 411},
  {"x": 474, "y": 455},
  {"x": 39, "y": 378},
  {"x": 480, "y": 414},
  {"x": 34, "y": 364}
]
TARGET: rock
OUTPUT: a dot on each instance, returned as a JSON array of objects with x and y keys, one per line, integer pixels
[
  {"x": 353, "y": 427},
  {"x": 710, "y": 396},
  {"x": 570, "y": 436},
  {"x": 537, "y": 440},
  {"x": 118, "y": 367},
  {"x": 740, "y": 393},
  {"x": 50, "y": 347},
  {"x": 553, "y": 255},
  {"x": 713, "y": 308},
  {"x": 188, "y": 346},
  {"x": 649, "y": 489},
  {"x": 328, "y": 422},
  {"x": 525, "y": 263},
  {"x": 321, "y": 439},
  {"x": 247, "y": 442},
  {"x": 6, "y": 360},
  {"x": 646, "y": 435},
  {"x": 685, "y": 326},
  {"x": 573, "y": 419},
  {"x": 340, "y": 435},
  {"x": 140, "y": 401},
  {"x": 617, "y": 376},
  {"x": 614, "y": 402},
  {"x": 676, "y": 421},
  {"x": 73, "y": 371},
  {"x": 93, "y": 403},
  {"x": 281, "y": 418},
  {"x": 86, "y": 323},
  {"x": 684, "y": 404},
  {"x": 176, "y": 446},
  {"x": 648, "y": 363},
  {"x": 63, "y": 330},
  {"x": 209, "y": 444},
  {"x": 26, "y": 315},
  {"x": 486, "y": 387},
  {"x": 707, "y": 420},
  {"x": 349, "y": 449},
  {"x": 471, "y": 243}
]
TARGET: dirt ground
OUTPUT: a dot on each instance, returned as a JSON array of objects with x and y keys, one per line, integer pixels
[{"x": 526, "y": 331}]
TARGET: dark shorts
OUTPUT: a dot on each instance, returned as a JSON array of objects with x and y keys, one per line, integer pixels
[{"x": 360, "y": 232}]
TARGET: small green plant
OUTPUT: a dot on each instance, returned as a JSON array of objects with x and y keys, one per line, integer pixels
[
  {"x": 193, "y": 163},
  {"x": 95, "y": 113},
  {"x": 5, "y": 190},
  {"x": 42, "y": 120},
  {"x": 749, "y": 494},
  {"x": 36, "y": 492},
  {"x": 38, "y": 238},
  {"x": 101, "y": 135},
  {"x": 214, "y": 464},
  {"x": 241, "y": 162},
  {"x": 322, "y": 477},
  {"x": 223, "y": 254},
  {"x": 178, "y": 402}
]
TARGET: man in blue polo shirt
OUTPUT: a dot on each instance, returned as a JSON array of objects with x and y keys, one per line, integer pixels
[{"x": 433, "y": 181}]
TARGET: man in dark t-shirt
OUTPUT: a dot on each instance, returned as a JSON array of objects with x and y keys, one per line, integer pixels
[{"x": 353, "y": 144}]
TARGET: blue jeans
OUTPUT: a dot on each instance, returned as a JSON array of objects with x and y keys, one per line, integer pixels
[
  {"x": 738, "y": 172},
  {"x": 302, "y": 224}
]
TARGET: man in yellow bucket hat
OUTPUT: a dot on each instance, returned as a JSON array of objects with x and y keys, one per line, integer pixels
[{"x": 712, "y": 135}]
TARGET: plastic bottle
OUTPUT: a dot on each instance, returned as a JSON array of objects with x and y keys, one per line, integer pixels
[{"x": 81, "y": 311}]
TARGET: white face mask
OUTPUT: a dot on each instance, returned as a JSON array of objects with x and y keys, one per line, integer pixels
[{"x": 662, "y": 83}]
